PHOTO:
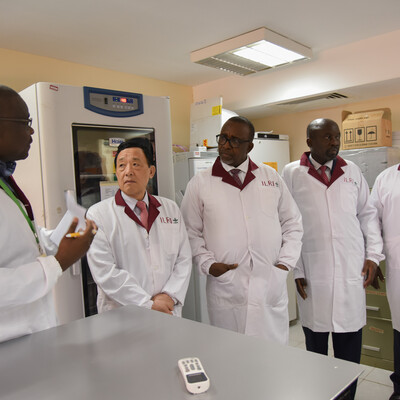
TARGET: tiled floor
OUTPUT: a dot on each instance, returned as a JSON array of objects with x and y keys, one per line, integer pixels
[{"x": 373, "y": 384}]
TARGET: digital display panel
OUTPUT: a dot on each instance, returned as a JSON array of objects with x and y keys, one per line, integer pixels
[
  {"x": 113, "y": 103},
  {"x": 194, "y": 378},
  {"x": 126, "y": 100}
]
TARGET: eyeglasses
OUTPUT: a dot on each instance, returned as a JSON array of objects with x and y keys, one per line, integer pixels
[
  {"x": 27, "y": 122},
  {"x": 234, "y": 142}
]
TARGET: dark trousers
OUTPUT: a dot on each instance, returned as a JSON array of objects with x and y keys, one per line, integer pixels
[
  {"x": 346, "y": 346},
  {"x": 395, "y": 377}
]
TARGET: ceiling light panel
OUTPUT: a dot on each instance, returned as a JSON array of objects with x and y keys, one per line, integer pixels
[
  {"x": 258, "y": 56},
  {"x": 251, "y": 52}
]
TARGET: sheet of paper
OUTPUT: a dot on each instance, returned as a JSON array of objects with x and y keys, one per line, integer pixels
[
  {"x": 73, "y": 210},
  {"x": 108, "y": 189}
]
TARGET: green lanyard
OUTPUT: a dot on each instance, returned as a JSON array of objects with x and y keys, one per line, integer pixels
[{"x": 18, "y": 203}]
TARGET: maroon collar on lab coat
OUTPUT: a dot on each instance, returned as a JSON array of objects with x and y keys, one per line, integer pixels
[
  {"x": 153, "y": 211},
  {"x": 219, "y": 170},
  {"x": 336, "y": 171},
  {"x": 398, "y": 168},
  {"x": 21, "y": 197}
]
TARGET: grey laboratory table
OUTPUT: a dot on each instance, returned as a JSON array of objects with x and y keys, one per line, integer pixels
[{"x": 132, "y": 353}]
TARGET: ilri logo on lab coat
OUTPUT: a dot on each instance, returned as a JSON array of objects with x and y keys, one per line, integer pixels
[
  {"x": 270, "y": 183},
  {"x": 169, "y": 220}
]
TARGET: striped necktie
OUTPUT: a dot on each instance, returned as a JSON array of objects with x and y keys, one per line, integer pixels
[{"x": 235, "y": 175}]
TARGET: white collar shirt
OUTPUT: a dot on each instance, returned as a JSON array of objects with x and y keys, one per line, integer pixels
[
  {"x": 243, "y": 167},
  {"x": 131, "y": 202},
  {"x": 317, "y": 165}
]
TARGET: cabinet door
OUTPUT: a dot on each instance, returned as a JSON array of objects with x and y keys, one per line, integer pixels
[
  {"x": 377, "y": 302},
  {"x": 378, "y": 338}
]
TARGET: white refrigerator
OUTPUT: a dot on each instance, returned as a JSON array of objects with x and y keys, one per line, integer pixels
[
  {"x": 77, "y": 132},
  {"x": 271, "y": 149}
]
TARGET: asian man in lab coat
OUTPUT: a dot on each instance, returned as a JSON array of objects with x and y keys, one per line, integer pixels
[
  {"x": 342, "y": 244},
  {"x": 30, "y": 264},
  {"x": 141, "y": 254},
  {"x": 245, "y": 231}
]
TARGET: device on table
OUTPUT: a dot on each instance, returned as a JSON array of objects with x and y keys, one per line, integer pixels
[{"x": 196, "y": 379}]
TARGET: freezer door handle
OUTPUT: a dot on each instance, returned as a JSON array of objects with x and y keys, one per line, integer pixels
[
  {"x": 372, "y": 348},
  {"x": 372, "y": 308},
  {"x": 76, "y": 269}
]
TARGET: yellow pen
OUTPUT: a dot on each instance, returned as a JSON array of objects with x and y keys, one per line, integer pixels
[
  {"x": 74, "y": 235},
  {"x": 79, "y": 234}
]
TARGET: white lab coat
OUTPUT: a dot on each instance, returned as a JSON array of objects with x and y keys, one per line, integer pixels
[
  {"x": 26, "y": 279},
  {"x": 386, "y": 198},
  {"x": 341, "y": 230},
  {"x": 257, "y": 227},
  {"x": 130, "y": 265}
]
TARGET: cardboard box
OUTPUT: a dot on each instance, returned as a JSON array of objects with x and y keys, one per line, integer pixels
[{"x": 371, "y": 128}]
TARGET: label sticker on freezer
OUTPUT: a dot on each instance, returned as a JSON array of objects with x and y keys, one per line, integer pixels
[
  {"x": 108, "y": 189},
  {"x": 115, "y": 142},
  {"x": 272, "y": 164},
  {"x": 216, "y": 110}
]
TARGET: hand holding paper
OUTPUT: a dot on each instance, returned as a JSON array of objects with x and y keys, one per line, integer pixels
[
  {"x": 73, "y": 210},
  {"x": 71, "y": 250}
]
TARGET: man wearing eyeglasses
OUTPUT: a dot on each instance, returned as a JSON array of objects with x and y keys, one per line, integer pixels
[
  {"x": 27, "y": 275},
  {"x": 245, "y": 231}
]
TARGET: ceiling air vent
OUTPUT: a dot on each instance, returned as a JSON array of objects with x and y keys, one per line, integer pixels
[
  {"x": 328, "y": 96},
  {"x": 228, "y": 62}
]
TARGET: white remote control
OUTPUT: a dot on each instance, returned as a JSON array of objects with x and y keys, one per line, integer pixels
[{"x": 196, "y": 379}]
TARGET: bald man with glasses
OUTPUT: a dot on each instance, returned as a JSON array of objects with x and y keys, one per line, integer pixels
[
  {"x": 245, "y": 232},
  {"x": 27, "y": 270}
]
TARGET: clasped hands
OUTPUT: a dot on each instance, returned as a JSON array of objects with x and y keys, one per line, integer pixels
[{"x": 163, "y": 303}]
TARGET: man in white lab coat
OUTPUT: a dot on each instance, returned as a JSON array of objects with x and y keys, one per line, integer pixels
[
  {"x": 386, "y": 198},
  {"x": 342, "y": 245},
  {"x": 141, "y": 254},
  {"x": 245, "y": 231},
  {"x": 27, "y": 275}
]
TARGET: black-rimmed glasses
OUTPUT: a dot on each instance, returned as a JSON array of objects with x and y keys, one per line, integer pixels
[
  {"x": 234, "y": 142},
  {"x": 25, "y": 121}
]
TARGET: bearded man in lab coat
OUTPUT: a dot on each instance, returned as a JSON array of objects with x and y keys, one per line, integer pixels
[
  {"x": 141, "y": 254},
  {"x": 27, "y": 273},
  {"x": 245, "y": 231},
  {"x": 342, "y": 245},
  {"x": 386, "y": 198}
]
